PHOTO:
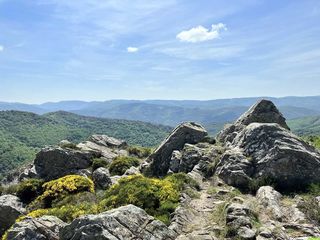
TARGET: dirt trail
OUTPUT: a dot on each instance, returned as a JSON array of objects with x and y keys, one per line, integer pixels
[{"x": 201, "y": 226}]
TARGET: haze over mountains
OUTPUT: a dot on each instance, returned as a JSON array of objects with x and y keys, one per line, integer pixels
[{"x": 172, "y": 112}]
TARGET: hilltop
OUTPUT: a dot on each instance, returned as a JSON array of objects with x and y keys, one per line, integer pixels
[{"x": 255, "y": 180}]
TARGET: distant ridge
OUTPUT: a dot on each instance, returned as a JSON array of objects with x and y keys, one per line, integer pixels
[{"x": 173, "y": 112}]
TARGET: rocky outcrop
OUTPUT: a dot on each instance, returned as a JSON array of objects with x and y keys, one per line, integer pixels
[
  {"x": 128, "y": 222},
  {"x": 104, "y": 140},
  {"x": 267, "y": 152},
  {"x": 239, "y": 221},
  {"x": 158, "y": 162},
  {"x": 108, "y": 147},
  {"x": 10, "y": 209},
  {"x": 52, "y": 163},
  {"x": 235, "y": 169},
  {"x": 263, "y": 111},
  {"x": 270, "y": 200},
  {"x": 43, "y": 228},
  {"x": 101, "y": 178}
]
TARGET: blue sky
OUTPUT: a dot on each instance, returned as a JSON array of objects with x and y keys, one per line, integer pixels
[{"x": 53, "y": 50}]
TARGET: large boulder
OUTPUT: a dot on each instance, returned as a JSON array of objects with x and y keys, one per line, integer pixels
[
  {"x": 51, "y": 163},
  {"x": 264, "y": 111},
  {"x": 158, "y": 162},
  {"x": 10, "y": 209},
  {"x": 43, "y": 228},
  {"x": 128, "y": 222},
  {"x": 267, "y": 153},
  {"x": 108, "y": 147}
]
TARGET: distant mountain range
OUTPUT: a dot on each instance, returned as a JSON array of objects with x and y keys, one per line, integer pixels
[{"x": 172, "y": 112}]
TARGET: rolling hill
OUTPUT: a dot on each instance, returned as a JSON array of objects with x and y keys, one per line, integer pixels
[{"x": 23, "y": 133}]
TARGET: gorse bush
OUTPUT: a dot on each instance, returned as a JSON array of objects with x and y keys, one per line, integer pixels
[
  {"x": 99, "y": 162},
  {"x": 29, "y": 189},
  {"x": 63, "y": 187},
  {"x": 67, "y": 212},
  {"x": 121, "y": 164},
  {"x": 158, "y": 197},
  {"x": 140, "y": 152}
]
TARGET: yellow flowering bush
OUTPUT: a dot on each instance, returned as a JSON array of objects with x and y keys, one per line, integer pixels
[
  {"x": 66, "y": 212},
  {"x": 158, "y": 197},
  {"x": 62, "y": 187}
]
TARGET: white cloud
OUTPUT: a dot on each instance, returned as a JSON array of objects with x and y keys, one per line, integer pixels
[
  {"x": 1, "y": 48},
  {"x": 132, "y": 49},
  {"x": 201, "y": 34}
]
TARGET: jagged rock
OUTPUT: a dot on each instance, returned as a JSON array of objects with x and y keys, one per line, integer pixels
[
  {"x": 128, "y": 222},
  {"x": 132, "y": 171},
  {"x": 279, "y": 156},
  {"x": 264, "y": 111},
  {"x": 235, "y": 169},
  {"x": 28, "y": 172},
  {"x": 175, "y": 161},
  {"x": 239, "y": 221},
  {"x": 270, "y": 200},
  {"x": 108, "y": 147},
  {"x": 101, "y": 178},
  {"x": 318, "y": 200},
  {"x": 63, "y": 143},
  {"x": 52, "y": 163},
  {"x": 158, "y": 162},
  {"x": 10, "y": 209},
  {"x": 267, "y": 152},
  {"x": 107, "y": 141},
  {"x": 83, "y": 172},
  {"x": 43, "y": 228}
]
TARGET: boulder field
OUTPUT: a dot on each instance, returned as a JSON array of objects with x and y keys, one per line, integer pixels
[{"x": 248, "y": 178}]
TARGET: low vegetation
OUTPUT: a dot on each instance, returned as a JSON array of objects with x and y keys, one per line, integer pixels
[
  {"x": 99, "y": 162},
  {"x": 158, "y": 197},
  {"x": 123, "y": 163},
  {"x": 140, "y": 152},
  {"x": 313, "y": 140},
  {"x": 29, "y": 189},
  {"x": 58, "y": 189},
  {"x": 310, "y": 205}
]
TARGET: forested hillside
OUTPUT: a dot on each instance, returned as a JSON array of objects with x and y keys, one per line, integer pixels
[{"x": 23, "y": 133}]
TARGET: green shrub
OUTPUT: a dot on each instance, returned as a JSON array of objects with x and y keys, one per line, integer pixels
[
  {"x": 99, "y": 162},
  {"x": 60, "y": 188},
  {"x": 313, "y": 140},
  {"x": 140, "y": 152},
  {"x": 1, "y": 190},
  {"x": 158, "y": 197},
  {"x": 68, "y": 212},
  {"x": 310, "y": 206},
  {"x": 11, "y": 189},
  {"x": 181, "y": 180},
  {"x": 69, "y": 145},
  {"x": 29, "y": 189},
  {"x": 121, "y": 164}
]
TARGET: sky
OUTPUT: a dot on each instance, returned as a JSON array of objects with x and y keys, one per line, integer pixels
[{"x": 53, "y": 50}]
